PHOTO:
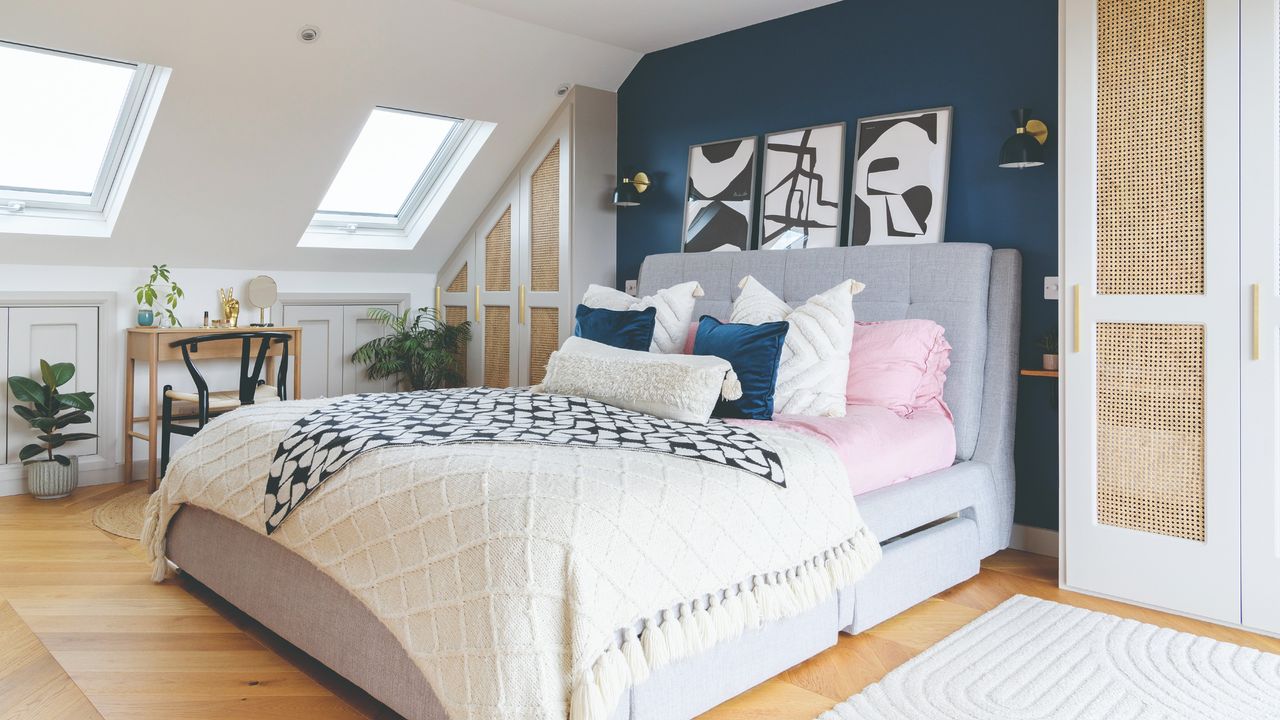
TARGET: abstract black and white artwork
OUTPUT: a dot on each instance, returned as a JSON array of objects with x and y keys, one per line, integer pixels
[
  {"x": 718, "y": 195},
  {"x": 800, "y": 193},
  {"x": 900, "y": 177}
]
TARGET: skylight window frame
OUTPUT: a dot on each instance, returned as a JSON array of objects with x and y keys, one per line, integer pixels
[
  {"x": 453, "y": 145},
  {"x": 59, "y": 204}
]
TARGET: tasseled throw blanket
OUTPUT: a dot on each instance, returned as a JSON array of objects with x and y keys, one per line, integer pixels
[{"x": 539, "y": 581}]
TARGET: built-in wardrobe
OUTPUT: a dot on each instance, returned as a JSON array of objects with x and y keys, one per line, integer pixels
[
  {"x": 1170, "y": 251},
  {"x": 518, "y": 273}
]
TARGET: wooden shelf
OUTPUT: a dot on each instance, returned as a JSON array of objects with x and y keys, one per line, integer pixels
[{"x": 1039, "y": 373}]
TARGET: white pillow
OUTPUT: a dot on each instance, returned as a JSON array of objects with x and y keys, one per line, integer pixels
[
  {"x": 675, "y": 311},
  {"x": 814, "y": 369},
  {"x": 675, "y": 387}
]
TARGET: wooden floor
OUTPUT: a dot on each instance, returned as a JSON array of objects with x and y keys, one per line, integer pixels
[{"x": 85, "y": 634}]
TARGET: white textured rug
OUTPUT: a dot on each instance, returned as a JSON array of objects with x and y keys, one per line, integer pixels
[{"x": 1033, "y": 658}]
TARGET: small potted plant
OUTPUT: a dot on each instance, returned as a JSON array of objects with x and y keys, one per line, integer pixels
[
  {"x": 420, "y": 351},
  {"x": 51, "y": 475},
  {"x": 1049, "y": 345},
  {"x": 148, "y": 296}
]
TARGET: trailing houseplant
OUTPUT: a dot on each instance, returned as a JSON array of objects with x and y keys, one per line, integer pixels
[
  {"x": 51, "y": 474},
  {"x": 148, "y": 296},
  {"x": 419, "y": 350},
  {"x": 1049, "y": 346}
]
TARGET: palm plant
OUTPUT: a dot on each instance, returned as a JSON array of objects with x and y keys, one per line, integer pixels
[{"x": 419, "y": 350}]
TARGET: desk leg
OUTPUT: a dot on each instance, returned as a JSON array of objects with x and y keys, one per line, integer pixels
[
  {"x": 128, "y": 419},
  {"x": 297, "y": 366},
  {"x": 153, "y": 372}
]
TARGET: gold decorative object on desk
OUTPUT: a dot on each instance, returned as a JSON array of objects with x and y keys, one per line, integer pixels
[{"x": 230, "y": 306}]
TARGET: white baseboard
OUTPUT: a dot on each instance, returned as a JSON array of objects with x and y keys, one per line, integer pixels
[
  {"x": 1034, "y": 540},
  {"x": 96, "y": 476}
]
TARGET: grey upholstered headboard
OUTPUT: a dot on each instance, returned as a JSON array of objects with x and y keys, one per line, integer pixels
[{"x": 969, "y": 289}]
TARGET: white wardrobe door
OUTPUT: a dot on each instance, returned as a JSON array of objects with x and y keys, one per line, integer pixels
[
  {"x": 1151, "y": 246},
  {"x": 322, "y": 357},
  {"x": 55, "y": 334},
  {"x": 1260, "y": 379},
  {"x": 357, "y": 329},
  {"x": 4, "y": 373}
]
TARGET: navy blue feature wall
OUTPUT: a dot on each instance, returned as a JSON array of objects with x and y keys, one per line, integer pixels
[{"x": 856, "y": 59}]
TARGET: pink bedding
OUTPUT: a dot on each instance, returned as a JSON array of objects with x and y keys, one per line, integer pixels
[{"x": 879, "y": 447}]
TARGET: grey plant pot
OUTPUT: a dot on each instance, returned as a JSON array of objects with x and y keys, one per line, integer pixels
[{"x": 47, "y": 480}]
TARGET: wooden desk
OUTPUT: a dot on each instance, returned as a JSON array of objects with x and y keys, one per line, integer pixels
[{"x": 151, "y": 346}]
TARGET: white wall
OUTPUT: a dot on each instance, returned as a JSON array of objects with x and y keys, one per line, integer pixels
[{"x": 201, "y": 287}]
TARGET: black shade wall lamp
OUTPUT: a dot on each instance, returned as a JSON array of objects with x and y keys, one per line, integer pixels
[
  {"x": 1026, "y": 148},
  {"x": 630, "y": 189}
]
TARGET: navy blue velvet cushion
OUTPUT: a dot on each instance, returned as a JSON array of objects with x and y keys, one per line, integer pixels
[
  {"x": 626, "y": 329},
  {"x": 754, "y": 352}
]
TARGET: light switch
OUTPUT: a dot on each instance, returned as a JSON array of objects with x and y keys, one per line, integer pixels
[
  {"x": 1052, "y": 286},
  {"x": 631, "y": 288}
]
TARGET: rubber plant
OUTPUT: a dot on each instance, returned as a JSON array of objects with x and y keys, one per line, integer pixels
[
  {"x": 419, "y": 350},
  {"x": 147, "y": 294},
  {"x": 50, "y": 411}
]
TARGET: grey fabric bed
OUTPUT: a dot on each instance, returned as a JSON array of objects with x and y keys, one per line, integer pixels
[{"x": 934, "y": 529}]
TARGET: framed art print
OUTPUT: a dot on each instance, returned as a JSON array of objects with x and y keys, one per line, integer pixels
[
  {"x": 802, "y": 186},
  {"x": 719, "y": 192},
  {"x": 901, "y": 162}
]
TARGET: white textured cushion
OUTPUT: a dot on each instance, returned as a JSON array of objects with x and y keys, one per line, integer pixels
[
  {"x": 814, "y": 368},
  {"x": 675, "y": 310},
  {"x": 675, "y": 387}
]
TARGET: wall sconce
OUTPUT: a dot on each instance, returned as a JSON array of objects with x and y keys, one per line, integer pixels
[
  {"x": 629, "y": 190},
  {"x": 1025, "y": 149}
]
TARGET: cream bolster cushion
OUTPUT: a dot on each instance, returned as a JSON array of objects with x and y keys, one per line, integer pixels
[
  {"x": 674, "y": 306},
  {"x": 674, "y": 387},
  {"x": 814, "y": 368}
]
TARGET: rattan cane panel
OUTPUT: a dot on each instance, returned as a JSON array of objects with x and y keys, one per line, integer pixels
[
  {"x": 1150, "y": 147},
  {"x": 1150, "y": 404},
  {"x": 544, "y": 339},
  {"x": 456, "y": 315},
  {"x": 497, "y": 345},
  {"x": 459, "y": 282},
  {"x": 497, "y": 255},
  {"x": 544, "y": 224}
]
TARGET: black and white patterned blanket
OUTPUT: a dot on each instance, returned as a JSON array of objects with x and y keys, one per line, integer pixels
[{"x": 320, "y": 444}]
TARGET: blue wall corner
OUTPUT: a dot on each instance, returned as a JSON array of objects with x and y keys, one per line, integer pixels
[{"x": 855, "y": 59}]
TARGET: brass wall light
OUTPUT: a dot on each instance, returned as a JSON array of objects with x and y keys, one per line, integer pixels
[
  {"x": 1026, "y": 148},
  {"x": 630, "y": 189}
]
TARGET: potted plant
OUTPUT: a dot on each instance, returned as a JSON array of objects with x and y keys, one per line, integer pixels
[
  {"x": 50, "y": 475},
  {"x": 419, "y": 351},
  {"x": 1049, "y": 345},
  {"x": 148, "y": 296}
]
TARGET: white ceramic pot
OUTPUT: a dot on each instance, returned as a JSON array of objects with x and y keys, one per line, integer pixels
[
  {"x": 1050, "y": 361},
  {"x": 47, "y": 480}
]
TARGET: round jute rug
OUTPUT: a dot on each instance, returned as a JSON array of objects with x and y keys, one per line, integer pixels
[{"x": 122, "y": 515}]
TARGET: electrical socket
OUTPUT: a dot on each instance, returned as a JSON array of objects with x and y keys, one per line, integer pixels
[
  {"x": 1052, "y": 287},
  {"x": 630, "y": 288}
]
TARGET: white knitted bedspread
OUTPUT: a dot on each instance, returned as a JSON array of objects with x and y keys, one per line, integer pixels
[{"x": 516, "y": 576}]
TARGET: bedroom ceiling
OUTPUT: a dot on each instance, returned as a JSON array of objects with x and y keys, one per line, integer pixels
[
  {"x": 254, "y": 124},
  {"x": 649, "y": 25}
]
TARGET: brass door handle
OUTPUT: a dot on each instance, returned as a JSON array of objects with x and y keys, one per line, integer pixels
[
  {"x": 1257, "y": 321},
  {"x": 522, "y": 304},
  {"x": 437, "y": 302},
  {"x": 477, "y": 311},
  {"x": 1075, "y": 318}
]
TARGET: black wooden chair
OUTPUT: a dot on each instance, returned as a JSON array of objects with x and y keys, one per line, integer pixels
[{"x": 203, "y": 403}]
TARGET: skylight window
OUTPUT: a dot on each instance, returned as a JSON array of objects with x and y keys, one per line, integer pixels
[
  {"x": 70, "y": 125},
  {"x": 401, "y": 167}
]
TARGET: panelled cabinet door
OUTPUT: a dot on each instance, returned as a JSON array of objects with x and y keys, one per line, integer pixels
[
  {"x": 1152, "y": 267},
  {"x": 496, "y": 294},
  {"x": 543, "y": 315},
  {"x": 322, "y": 348},
  {"x": 357, "y": 329},
  {"x": 4, "y": 373},
  {"x": 1260, "y": 303},
  {"x": 455, "y": 304},
  {"x": 55, "y": 334}
]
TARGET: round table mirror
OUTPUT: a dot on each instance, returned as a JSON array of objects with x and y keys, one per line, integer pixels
[{"x": 262, "y": 293}]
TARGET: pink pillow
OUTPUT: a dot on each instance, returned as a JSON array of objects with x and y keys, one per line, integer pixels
[
  {"x": 688, "y": 341},
  {"x": 899, "y": 364}
]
